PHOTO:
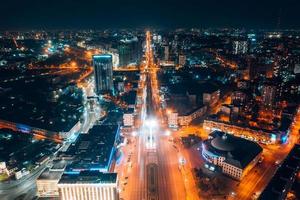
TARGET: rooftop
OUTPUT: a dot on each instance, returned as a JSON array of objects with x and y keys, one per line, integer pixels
[
  {"x": 58, "y": 165},
  {"x": 90, "y": 177},
  {"x": 130, "y": 97},
  {"x": 49, "y": 102},
  {"x": 50, "y": 175},
  {"x": 238, "y": 151},
  {"x": 22, "y": 150},
  {"x": 102, "y": 56},
  {"x": 93, "y": 150},
  {"x": 223, "y": 143},
  {"x": 284, "y": 176}
]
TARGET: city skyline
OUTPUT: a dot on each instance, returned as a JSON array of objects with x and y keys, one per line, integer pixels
[{"x": 157, "y": 100}]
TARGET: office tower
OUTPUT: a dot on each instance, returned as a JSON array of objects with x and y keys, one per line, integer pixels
[
  {"x": 181, "y": 60},
  {"x": 128, "y": 50},
  {"x": 252, "y": 42},
  {"x": 157, "y": 38},
  {"x": 240, "y": 47},
  {"x": 252, "y": 67},
  {"x": 103, "y": 71},
  {"x": 268, "y": 94},
  {"x": 166, "y": 53}
]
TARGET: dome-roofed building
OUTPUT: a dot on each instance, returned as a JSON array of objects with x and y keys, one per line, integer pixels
[
  {"x": 223, "y": 143},
  {"x": 236, "y": 156}
]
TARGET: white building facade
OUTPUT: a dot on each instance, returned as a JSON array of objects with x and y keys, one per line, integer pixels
[
  {"x": 128, "y": 119},
  {"x": 86, "y": 191}
]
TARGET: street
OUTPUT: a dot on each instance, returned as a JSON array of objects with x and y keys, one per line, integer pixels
[{"x": 151, "y": 149}]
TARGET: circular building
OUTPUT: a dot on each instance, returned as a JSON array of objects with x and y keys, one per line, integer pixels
[
  {"x": 216, "y": 149},
  {"x": 234, "y": 155}
]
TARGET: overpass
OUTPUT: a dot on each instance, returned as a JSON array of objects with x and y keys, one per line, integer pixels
[{"x": 37, "y": 132}]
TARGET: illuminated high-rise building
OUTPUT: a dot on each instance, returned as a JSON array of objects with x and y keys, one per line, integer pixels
[
  {"x": 252, "y": 42},
  {"x": 157, "y": 38},
  {"x": 181, "y": 60},
  {"x": 240, "y": 47},
  {"x": 252, "y": 66},
  {"x": 129, "y": 52},
  {"x": 103, "y": 71},
  {"x": 166, "y": 53},
  {"x": 268, "y": 94}
]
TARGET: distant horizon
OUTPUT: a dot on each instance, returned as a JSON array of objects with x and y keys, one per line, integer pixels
[
  {"x": 151, "y": 28},
  {"x": 92, "y": 14}
]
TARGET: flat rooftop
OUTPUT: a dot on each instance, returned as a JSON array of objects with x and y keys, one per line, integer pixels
[
  {"x": 21, "y": 150},
  {"x": 58, "y": 165},
  {"x": 49, "y": 102},
  {"x": 93, "y": 150},
  {"x": 130, "y": 97},
  {"x": 50, "y": 175},
  {"x": 284, "y": 177},
  {"x": 88, "y": 177}
]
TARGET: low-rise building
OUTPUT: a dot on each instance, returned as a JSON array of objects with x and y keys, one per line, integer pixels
[
  {"x": 128, "y": 118},
  {"x": 176, "y": 119},
  {"x": 21, "y": 173},
  {"x": 251, "y": 133},
  {"x": 3, "y": 168},
  {"x": 47, "y": 182},
  {"x": 226, "y": 109},
  {"x": 187, "y": 118},
  {"x": 88, "y": 185},
  {"x": 235, "y": 156},
  {"x": 210, "y": 98},
  {"x": 238, "y": 97},
  {"x": 173, "y": 119},
  {"x": 285, "y": 176},
  {"x": 93, "y": 151}
]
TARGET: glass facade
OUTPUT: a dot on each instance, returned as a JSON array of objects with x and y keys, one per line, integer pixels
[{"x": 103, "y": 72}]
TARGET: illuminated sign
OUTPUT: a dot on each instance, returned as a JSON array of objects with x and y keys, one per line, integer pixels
[
  {"x": 102, "y": 56},
  {"x": 284, "y": 138},
  {"x": 273, "y": 137}
]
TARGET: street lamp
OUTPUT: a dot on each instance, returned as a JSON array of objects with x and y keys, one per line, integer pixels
[
  {"x": 169, "y": 111},
  {"x": 182, "y": 160},
  {"x": 168, "y": 132},
  {"x": 73, "y": 64},
  {"x": 134, "y": 133},
  {"x": 151, "y": 123}
]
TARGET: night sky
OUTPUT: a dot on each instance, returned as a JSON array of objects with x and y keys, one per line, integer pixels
[{"x": 52, "y": 14}]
